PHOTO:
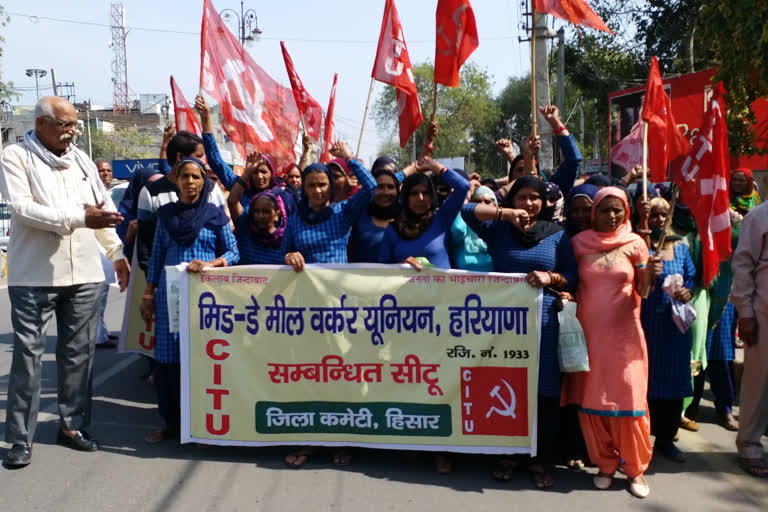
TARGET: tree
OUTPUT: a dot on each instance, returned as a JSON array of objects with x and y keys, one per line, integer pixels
[
  {"x": 6, "y": 88},
  {"x": 463, "y": 113},
  {"x": 691, "y": 35},
  {"x": 738, "y": 31},
  {"x": 125, "y": 143}
]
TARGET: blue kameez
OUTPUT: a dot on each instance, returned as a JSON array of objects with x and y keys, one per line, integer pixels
[
  {"x": 669, "y": 350},
  {"x": 210, "y": 244}
]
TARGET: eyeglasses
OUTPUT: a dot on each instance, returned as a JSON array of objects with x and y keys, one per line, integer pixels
[{"x": 63, "y": 124}]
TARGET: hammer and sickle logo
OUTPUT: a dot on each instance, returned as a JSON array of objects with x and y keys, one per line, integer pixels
[{"x": 508, "y": 408}]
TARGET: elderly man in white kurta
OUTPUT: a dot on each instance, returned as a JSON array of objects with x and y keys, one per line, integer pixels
[
  {"x": 750, "y": 297},
  {"x": 60, "y": 213}
]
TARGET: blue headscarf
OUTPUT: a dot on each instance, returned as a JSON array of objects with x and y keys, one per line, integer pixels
[
  {"x": 263, "y": 237},
  {"x": 584, "y": 190},
  {"x": 306, "y": 213},
  {"x": 484, "y": 191},
  {"x": 383, "y": 161},
  {"x": 184, "y": 221},
  {"x": 273, "y": 181},
  {"x": 600, "y": 180}
]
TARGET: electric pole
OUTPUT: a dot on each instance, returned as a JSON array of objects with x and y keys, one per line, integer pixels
[{"x": 561, "y": 70}]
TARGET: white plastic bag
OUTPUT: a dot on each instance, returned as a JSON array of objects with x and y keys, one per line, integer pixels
[
  {"x": 172, "y": 277},
  {"x": 571, "y": 344},
  {"x": 683, "y": 314}
]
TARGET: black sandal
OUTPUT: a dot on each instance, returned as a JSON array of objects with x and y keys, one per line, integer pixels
[{"x": 754, "y": 467}]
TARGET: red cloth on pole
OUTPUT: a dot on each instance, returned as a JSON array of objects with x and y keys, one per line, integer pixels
[
  {"x": 183, "y": 114},
  {"x": 258, "y": 114},
  {"x": 455, "y": 41},
  {"x": 310, "y": 110},
  {"x": 393, "y": 66},
  {"x": 575, "y": 11},
  {"x": 330, "y": 127},
  {"x": 665, "y": 141},
  {"x": 703, "y": 182},
  {"x": 628, "y": 152}
]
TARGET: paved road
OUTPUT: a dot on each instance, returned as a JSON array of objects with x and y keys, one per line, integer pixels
[{"x": 130, "y": 475}]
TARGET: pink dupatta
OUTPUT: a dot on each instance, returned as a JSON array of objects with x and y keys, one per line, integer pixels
[{"x": 591, "y": 241}]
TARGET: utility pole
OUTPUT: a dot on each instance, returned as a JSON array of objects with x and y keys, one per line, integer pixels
[
  {"x": 53, "y": 82},
  {"x": 542, "y": 34},
  {"x": 581, "y": 121},
  {"x": 561, "y": 69},
  {"x": 596, "y": 141},
  {"x": 88, "y": 127}
]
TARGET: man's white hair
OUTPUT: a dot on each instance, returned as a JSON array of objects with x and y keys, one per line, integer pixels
[{"x": 44, "y": 107}]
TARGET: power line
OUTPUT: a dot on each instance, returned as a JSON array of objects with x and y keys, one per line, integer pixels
[{"x": 35, "y": 18}]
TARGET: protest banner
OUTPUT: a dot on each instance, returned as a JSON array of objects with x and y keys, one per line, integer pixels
[
  {"x": 136, "y": 335},
  {"x": 360, "y": 355}
]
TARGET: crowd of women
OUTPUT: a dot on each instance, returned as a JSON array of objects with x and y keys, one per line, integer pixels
[{"x": 590, "y": 241}]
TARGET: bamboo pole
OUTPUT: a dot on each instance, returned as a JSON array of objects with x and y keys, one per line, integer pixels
[
  {"x": 645, "y": 160},
  {"x": 365, "y": 116},
  {"x": 534, "y": 113},
  {"x": 668, "y": 220},
  {"x": 434, "y": 102}
]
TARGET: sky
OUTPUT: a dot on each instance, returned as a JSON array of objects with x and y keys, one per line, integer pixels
[{"x": 322, "y": 38}]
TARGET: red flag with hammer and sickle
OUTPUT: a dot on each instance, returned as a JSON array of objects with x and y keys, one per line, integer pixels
[
  {"x": 310, "y": 110},
  {"x": 183, "y": 114},
  {"x": 703, "y": 182},
  {"x": 258, "y": 114},
  {"x": 456, "y": 39},
  {"x": 393, "y": 66}
]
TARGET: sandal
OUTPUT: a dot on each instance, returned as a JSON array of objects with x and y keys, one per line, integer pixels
[
  {"x": 342, "y": 457},
  {"x": 541, "y": 476},
  {"x": 638, "y": 487},
  {"x": 602, "y": 481},
  {"x": 754, "y": 467},
  {"x": 443, "y": 463},
  {"x": 299, "y": 458},
  {"x": 575, "y": 464},
  {"x": 505, "y": 468}
]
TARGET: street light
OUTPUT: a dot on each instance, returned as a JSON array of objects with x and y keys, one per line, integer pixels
[
  {"x": 39, "y": 73},
  {"x": 247, "y": 23}
]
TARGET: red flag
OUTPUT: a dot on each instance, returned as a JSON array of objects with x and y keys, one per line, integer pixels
[
  {"x": 456, "y": 39},
  {"x": 665, "y": 141},
  {"x": 258, "y": 113},
  {"x": 183, "y": 114},
  {"x": 310, "y": 111},
  {"x": 628, "y": 152},
  {"x": 330, "y": 128},
  {"x": 703, "y": 182},
  {"x": 575, "y": 11},
  {"x": 393, "y": 66}
]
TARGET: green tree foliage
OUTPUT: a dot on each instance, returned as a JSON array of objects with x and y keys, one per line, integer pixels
[
  {"x": 126, "y": 143},
  {"x": 6, "y": 88},
  {"x": 738, "y": 33},
  {"x": 692, "y": 35},
  {"x": 465, "y": 114}
]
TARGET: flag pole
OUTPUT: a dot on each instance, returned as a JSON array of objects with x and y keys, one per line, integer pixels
[
  {"x": 365, "y": 116},
  {"x": 434, "y": 102},
  {"x": 534, "y": 114},
  {"x": 645, "y": 161},
  {"x": 203, "y": 30},
  {"x": 668, "y": 220}
]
